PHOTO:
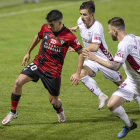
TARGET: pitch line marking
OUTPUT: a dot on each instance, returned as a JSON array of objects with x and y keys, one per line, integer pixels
[
  {"x": 43, "y": 8},
  {"x": 40, "y": 9}
]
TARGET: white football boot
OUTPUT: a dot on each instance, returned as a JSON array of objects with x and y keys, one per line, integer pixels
[
  {"x": 10, "y": 116},
  {"x": 61, "y": 116},
  {"x": 102, "y": 100}
]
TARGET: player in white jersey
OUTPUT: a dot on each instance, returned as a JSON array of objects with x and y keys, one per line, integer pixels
[
  {"x": 93, "y": 39},
  {"x": 128, "y": 55}
]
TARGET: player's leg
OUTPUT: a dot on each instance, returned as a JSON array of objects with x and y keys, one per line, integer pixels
[
  {"x": 115, "y": 107},
  {"x": 15, "y": 97},
  {"x": 57, "y": 105},
  {"x": 121, "y": 95},
  {"x": 89, "y": 69},
  {"x": 26, "y": 75},
  {"x": 137, "y": 98},
  {"x": 53, "y": 86}
]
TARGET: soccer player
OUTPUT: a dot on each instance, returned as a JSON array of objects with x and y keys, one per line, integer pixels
[
  {"x": 128, "y": 55},
  {"x": 93, "y": 39},
  {"x": 47, "y": 65}
]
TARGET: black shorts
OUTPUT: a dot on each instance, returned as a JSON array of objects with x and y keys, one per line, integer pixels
[{"x": 50, "y": 83}]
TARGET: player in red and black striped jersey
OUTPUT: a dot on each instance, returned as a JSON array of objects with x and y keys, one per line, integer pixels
[
  {"x": 53, "y": 49},
  {"x": 47, "y": 65}
]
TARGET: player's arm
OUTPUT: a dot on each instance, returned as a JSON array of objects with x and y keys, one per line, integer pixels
[
  {"x": 109, "y": 64},
  {"x": 71, "y": 49},
  {"x": 35, "y": 41},
  {"x": 74, "y": 29},
  {"x": 93, "y": 47},
  {"x": 76, "y": 76}
]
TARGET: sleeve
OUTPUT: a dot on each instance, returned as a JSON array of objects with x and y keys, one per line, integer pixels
[
  {"x": 97, "y": 34},
  {"x": 122, "y": 53},
  {"x": 40, "y": 33},
  {"x": 74, "y": 43}
]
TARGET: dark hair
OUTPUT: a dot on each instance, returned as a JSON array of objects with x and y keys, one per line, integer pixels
[
  {"x": 117, "y": 22},
  {"x": 54, "y": 15},
  {"x": 89, "y": 5}
]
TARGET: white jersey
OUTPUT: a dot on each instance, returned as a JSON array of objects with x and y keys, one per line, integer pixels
[
  {"x": 94, "y": 35},
  {"x": 129, "y": 55}
]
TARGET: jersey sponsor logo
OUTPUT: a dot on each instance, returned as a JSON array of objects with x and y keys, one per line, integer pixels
[
  {"x": 53, "y": 41},
  {"x": 76, "y": 41},
  {"x": 52, "y": 45},
  {"x": 53, "y": 48}
]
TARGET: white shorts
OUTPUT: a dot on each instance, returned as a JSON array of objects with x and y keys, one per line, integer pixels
[
  {"x": 127, "y": 90},
  {"x": 108, "y": 73}
]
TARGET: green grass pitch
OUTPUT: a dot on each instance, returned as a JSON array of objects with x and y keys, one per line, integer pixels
[{"x": 37, "y": 120}]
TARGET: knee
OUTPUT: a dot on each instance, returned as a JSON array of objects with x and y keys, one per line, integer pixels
[
  {"x": 83, "y": 73},
  {"x": 110, "y": 106},
  {"x": 17, "y": 83}
]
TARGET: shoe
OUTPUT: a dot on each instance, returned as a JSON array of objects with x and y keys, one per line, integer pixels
[
  {"x": 102, "y": 100},
  {"x": 61, "y": 116},
  {"x": 125, "y": 130},
  {"x": 10, "y": 116}
]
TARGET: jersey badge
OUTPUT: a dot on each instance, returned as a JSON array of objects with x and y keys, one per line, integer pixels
[{"x": 89, "y": 33}]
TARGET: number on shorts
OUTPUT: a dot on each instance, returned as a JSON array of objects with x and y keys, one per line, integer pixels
[
  {"x": 32, "y": 66},
  {"x": 123, "y": 85}
]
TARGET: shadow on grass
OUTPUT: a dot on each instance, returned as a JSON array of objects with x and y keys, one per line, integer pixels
[
  {"x": 137, "y": 112},
  {"x": 93, "y": 119}
]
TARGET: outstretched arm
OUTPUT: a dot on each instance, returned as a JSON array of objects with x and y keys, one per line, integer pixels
[
  {"x": 74, "y": 29},
  {"x": 109, "y": 64},
  {"x": 35, "y": 41}
]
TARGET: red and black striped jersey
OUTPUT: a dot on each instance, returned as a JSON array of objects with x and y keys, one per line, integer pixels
[{"x": 53, "y": 49}]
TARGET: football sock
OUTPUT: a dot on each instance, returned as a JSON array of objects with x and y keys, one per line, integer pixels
[
  {"x": 120, "y": 112},
  {"x": 91, "y": 85},
  {"x": 58, "y": 110},
  {"x": 14, "y": 102}
]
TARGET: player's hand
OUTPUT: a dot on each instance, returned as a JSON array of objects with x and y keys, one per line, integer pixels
[
  {"x": 71, "y": 49},
  {"x": 73, "y": 29},
  {"x": 25, "y": 59},
  {"x": 88, "y": 54},
  {"x": 75, "y": 79}
]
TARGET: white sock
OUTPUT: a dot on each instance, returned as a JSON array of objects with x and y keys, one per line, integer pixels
[
  {"x": 137, "y": 98},
  {"x": 91, "y": 85},
  {"x": 120, "y": 112}
]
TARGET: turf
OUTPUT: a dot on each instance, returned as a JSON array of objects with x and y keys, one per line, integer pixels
[{"x": 37, "y": 119}]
